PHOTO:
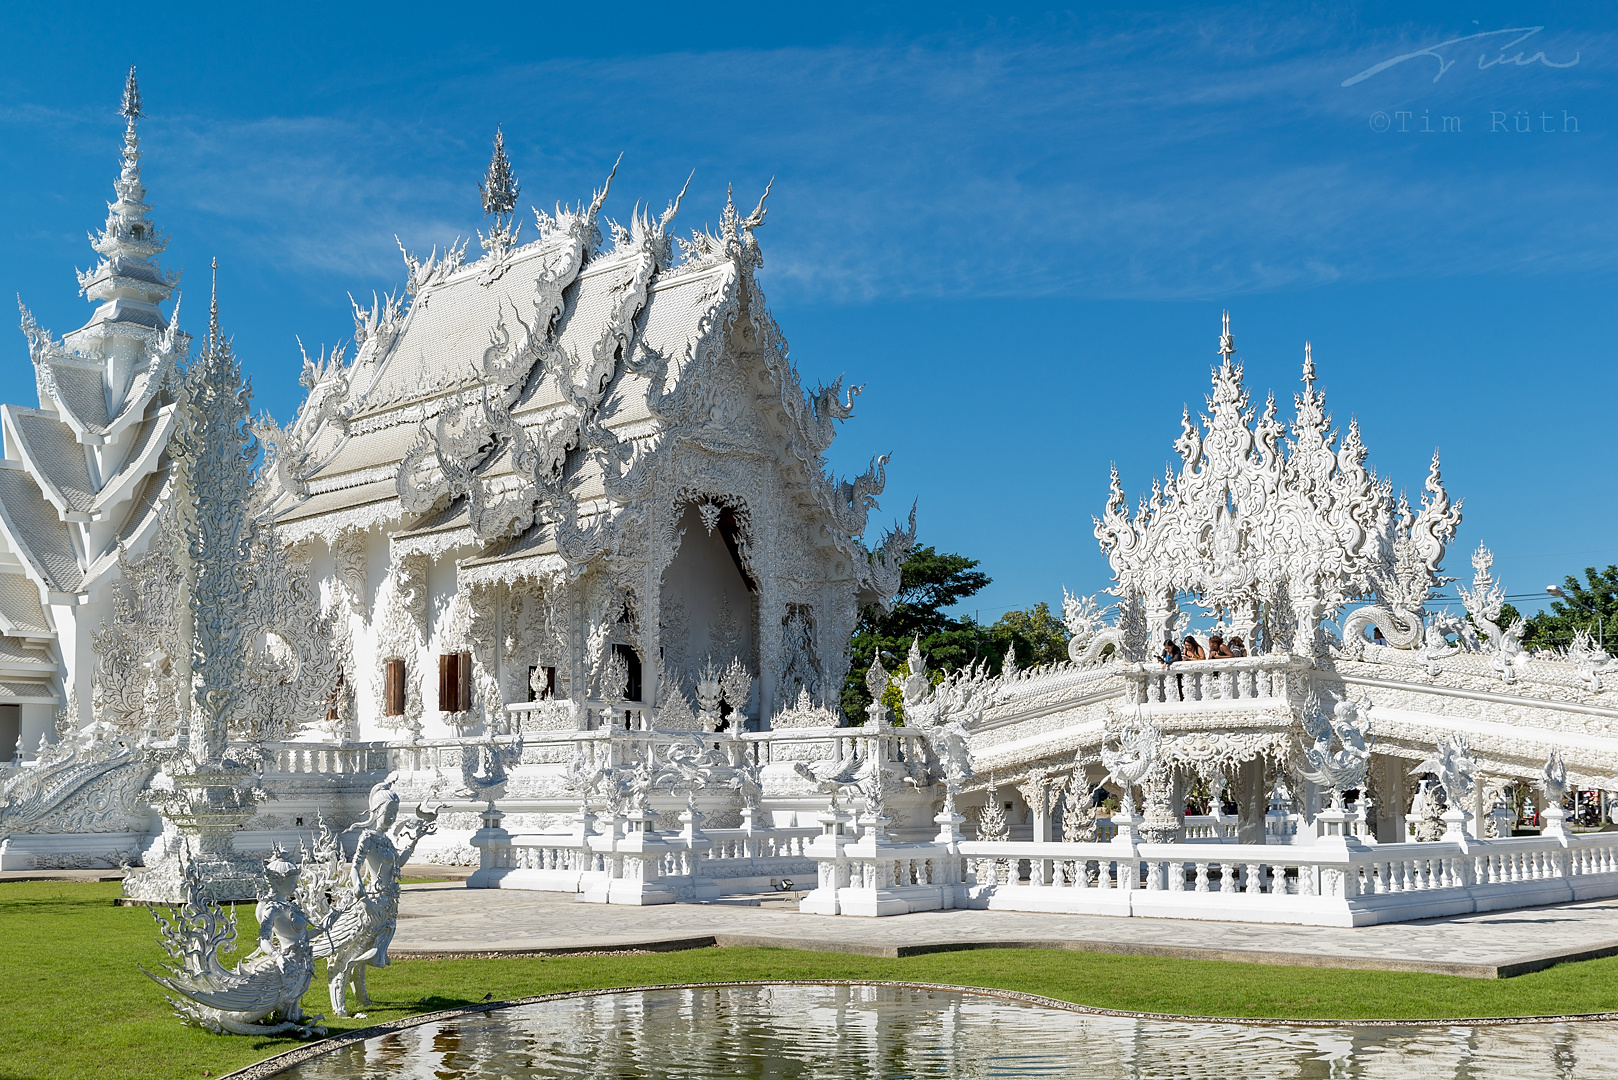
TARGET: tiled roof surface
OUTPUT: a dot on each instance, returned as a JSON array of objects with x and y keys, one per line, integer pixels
[{"x": 33, "y": 524}]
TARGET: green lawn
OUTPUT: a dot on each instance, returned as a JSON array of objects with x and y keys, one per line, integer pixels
[{"x": 76, "y": 1006}]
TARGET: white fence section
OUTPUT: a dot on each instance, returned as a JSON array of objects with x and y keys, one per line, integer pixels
[
  {"x": 634, "y": 865},
  {"x": 1336, "y": 881}
]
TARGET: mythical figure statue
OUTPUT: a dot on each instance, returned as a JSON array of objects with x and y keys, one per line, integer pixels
[
  {"x": 360, "y": 934},
  {"x": 1454, "y": 768},
  {"x": 1131, "y": 762},
  {"x": 1088, "y": 632},
  {"x": 483, "y": 767},
  {"x": 1345, "y": 769},
  {"x": 1553, "y": 781},
  {"x": 260, "y": 995},
  {"x": 1485, "y": 601},
  {"x": 1591, "y": 658}
]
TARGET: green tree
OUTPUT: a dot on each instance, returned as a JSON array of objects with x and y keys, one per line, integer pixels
[
  {"x": 1591, "y": 606},
  {"x": 1037, "y": 633},
  {"x": 929, "y": 582}
]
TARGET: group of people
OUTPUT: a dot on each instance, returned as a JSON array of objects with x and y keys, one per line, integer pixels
[{"x": 1191, "y": 649}]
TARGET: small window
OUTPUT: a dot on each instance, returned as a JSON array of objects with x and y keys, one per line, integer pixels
[
  {"x": 136, "y": 232},
  {"x": 455, "y": 682},
  {"x": 546, "y": 685},
  {"x": 632, "y": 689},
  {"x": 393, "y": 687}
]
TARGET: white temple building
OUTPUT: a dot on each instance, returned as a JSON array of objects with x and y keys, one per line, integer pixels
[
  {"x": 85, "y": 470},
  {"x": 569, "y": 474},
  {"x": 585, "y": 582}
]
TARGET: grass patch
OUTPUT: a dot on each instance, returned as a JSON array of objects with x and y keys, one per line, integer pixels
[{"x": 76, "y": 1006}]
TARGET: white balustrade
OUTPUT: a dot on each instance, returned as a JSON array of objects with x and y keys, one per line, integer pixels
[
  {"x": 1336, "y": 881},
  {"x": 1234, "y": 679},
  {"x": 622, "y": 864}
]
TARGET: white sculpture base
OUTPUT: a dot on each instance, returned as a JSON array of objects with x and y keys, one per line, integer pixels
[{"x": 69, "y": 851}]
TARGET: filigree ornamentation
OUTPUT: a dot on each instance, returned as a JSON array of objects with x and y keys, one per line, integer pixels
[
  {"x": 88, "y": 783},
  {"x": 992, "y": 823},
  {"x": 1255, "y": 520},
  {"x": 402, "y": 600},
  {"x": 349, "y": 553},
  {"x": 1484, "y": 602},
  {"x": 1078, "y": 809}
]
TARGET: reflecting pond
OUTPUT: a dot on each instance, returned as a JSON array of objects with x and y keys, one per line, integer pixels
[{"x": 783, "y": 1032}]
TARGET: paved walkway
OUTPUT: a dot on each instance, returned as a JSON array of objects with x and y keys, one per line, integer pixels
[{"x": 448, "y": 918}]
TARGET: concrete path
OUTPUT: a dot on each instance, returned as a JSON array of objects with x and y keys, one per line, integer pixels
[{"x": 448, "y": 918}]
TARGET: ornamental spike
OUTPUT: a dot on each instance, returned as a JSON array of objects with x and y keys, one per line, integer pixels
[
  {"x": 1227, "y": 343},
  {"x": 499, "y": 187},
  {"x": 130, "y": 109},
  {"x": 213, "y": 310},
  {"x": 1308, "y": 366}
]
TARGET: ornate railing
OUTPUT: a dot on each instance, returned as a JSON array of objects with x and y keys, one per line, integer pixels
[
  {"x": 300, "y": 758},
  {"x": 1335, "y": 882},
  {"x": 614, "y": 866},
  {"x": 1242, "y": 678}
]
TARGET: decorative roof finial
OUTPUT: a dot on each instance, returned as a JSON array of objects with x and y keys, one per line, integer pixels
[
  {"x": 1227, "y": 344},
  {"x": 499, "y": 187},
  {"x": 131, "y": 105},
  {"x": 213, "y": 309},
  {"x": 1308, "y": 366}
]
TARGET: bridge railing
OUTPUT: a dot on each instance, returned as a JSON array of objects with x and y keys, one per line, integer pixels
[{"x": 1334, "y": 882}]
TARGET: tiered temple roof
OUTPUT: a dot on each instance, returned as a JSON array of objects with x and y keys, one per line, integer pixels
[
  {"x": 85, "y": 471},
  {"x": 513, "y": 402}
]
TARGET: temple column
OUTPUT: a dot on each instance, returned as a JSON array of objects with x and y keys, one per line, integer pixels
[
  {"x": 1252, "y": 801},
  {"x": 1038, "y": 792},
  {"x": 1387, "y": 784}
]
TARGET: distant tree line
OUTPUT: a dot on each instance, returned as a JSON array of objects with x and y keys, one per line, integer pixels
[
  {"x": 930, "y": 583},
  {"x": 1591, "y": 606}
]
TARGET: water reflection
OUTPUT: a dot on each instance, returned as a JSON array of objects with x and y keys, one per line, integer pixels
[{"x": 847, "y": 1032}]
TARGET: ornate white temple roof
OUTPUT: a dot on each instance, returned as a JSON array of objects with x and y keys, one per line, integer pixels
[
  {"x": 85, "y": 471},
  {"x": 512, "y": 401}
]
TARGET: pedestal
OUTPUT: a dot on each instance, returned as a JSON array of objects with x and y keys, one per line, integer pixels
[
  {"x": 831, "y": 863},
  {"x": 490, "y": 840},
  {"x": 207, "y": 807},
  {"x": 1457, "y": 825}
]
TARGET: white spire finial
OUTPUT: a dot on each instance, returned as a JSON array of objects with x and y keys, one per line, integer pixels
[
  {"x": 1227, "y": 344},
  {"x": 499, "y": 187},
  {"x": 213, "y": 308},
  {"x": 131, "y": 104},
  {"x": 1308, "y": 365}
]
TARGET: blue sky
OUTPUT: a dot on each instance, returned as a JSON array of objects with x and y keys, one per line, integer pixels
[{"x": 1016, "y": 225}]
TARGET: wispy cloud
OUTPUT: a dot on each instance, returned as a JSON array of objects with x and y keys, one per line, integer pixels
[{"x": 1151, "y": 158}]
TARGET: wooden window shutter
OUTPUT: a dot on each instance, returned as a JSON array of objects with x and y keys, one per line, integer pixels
[
  {"x": 463, "y": 682},
  {"x": 393, "y": 688},
  {"x": 446, "y": 682}
]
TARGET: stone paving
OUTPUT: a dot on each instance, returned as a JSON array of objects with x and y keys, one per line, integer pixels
[{"x": 449, "y": 918}]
